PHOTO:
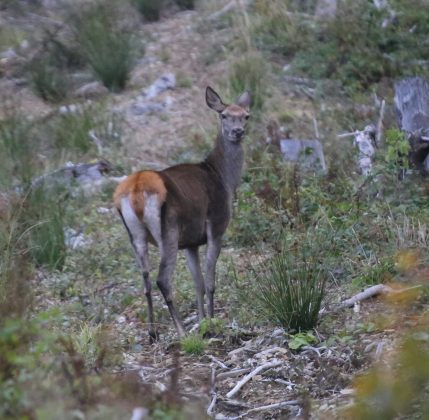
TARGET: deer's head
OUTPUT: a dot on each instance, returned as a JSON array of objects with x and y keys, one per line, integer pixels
[{"x": 233, "y": 118}]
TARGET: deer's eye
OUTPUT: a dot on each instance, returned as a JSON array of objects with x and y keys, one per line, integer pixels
[
  {"x": 223, "y": 116},
  {"x": 247, "y": 117}
]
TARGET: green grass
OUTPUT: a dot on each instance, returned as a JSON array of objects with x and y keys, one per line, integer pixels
[
  {"x": 193, "y": 344},
  {"x": 17, "y": 146},
  {"x": 292, "y": 284},
  {"x": 250, "y": 72},
  {"x": 107, "y": 48}
]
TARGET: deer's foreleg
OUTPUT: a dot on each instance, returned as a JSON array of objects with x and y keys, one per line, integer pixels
[{"x": 213, "y": 251}]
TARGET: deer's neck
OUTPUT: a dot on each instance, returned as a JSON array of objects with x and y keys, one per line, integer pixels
[{"x": 227, "y": 160}]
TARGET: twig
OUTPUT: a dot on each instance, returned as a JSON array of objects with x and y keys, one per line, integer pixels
[
  {"x": 350, "y": 134},
  {"x": 249, "y": 376},
  {"x": 232, "y": 373},
  {"x": 368, "y": 293},
  {"x": 210, "y": 409},
  {"x": 217, "y": 361},
  {"x": 275, "y": 406}
]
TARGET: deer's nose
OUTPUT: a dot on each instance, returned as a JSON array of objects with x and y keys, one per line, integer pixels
[{"x": 238, "y": 132}]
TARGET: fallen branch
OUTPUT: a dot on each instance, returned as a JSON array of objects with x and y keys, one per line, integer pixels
[
  {"x": 368, "y": 293},
  {"x": 217, "y": 361},
  {"x": 210, "y": 409},
  {"x": 248, "y": 377},
  {"x": 232, "y": 373},
  {"x": 275, "y": 406}
]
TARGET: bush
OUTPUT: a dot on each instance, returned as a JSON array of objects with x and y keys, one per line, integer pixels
[
  {"x": 292, "y": 286},
  {"x": 107, "y": 48},
  {"x": 150, "y": 9}
]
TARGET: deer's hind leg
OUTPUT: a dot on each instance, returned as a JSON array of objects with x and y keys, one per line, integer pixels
[
  {"x": 193, "y": 260},
  {"x": 138, "y": 235}
]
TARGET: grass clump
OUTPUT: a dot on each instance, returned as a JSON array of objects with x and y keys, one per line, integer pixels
[
  {"x": 16, "y": 148},
  {"x": 106, "y": 47},
  {"x": 44, "y": 218},
  {"x": 193, "y": 344},
  {"x": 49, "y": 81},
  {"x": 249, "y": 72},
  {"x": 292, "y": 286}
]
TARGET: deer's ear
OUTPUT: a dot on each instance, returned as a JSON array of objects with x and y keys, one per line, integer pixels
[
  {"x": 244, "y": 100},
  {"x": 213, "y": 100}
]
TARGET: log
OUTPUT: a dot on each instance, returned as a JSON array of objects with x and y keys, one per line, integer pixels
[{"x": 412, "y": 107}]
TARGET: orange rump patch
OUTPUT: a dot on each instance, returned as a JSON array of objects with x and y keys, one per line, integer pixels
[{"x": 136, "y": 185}]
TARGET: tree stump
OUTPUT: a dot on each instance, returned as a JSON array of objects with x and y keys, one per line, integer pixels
[{"x": 412, "y": 106}]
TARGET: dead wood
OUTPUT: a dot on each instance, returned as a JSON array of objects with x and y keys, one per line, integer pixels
[
  {"x": 275, "y": 406},
  {"x": 412, "y": 107},
  {"x": 249, "y": 376},
  {"x": 378, "y": 289}
]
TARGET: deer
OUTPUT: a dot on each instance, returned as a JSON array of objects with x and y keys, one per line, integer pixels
[{"x": 184, "y": 207}]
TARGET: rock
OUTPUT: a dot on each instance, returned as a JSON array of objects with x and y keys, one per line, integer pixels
[
  {"x": 8, "y": 54},
  {"x": 146, "y": 108},
  {"x": 91, "y": 90},
  {"x": 165, "y": 82},
  {"x": 308, "y": 152},
  {"x": 74, "y": 239}
]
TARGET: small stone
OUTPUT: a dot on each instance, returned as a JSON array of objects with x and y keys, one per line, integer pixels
[{"x": 92, "y": 89}]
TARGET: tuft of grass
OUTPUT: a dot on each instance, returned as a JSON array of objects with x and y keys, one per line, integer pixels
[
  {"x": 106, "y": 47},
  {"x": 249, "y": 72},
  {"x": 150, "y": 9},
  {"x": 44, "y": 218},
  {"x": 47, "y": 80},
  {"x": 193, "y": 344},
  {"x": 16, "y": 148},
  {"x": 292, "y": 286}
]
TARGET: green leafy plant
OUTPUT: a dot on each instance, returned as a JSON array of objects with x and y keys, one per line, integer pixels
[
  {"x": 397, "y": 149},
  {"x": 301, "y": 339},
  {"x": 211, "y": 326}
]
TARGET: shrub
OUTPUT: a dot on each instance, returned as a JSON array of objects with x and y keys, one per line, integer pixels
[
  {"x": 107, "y": 48},
  {"x": 292, "y": 286},
  {"x": 150, "y": 9}
]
